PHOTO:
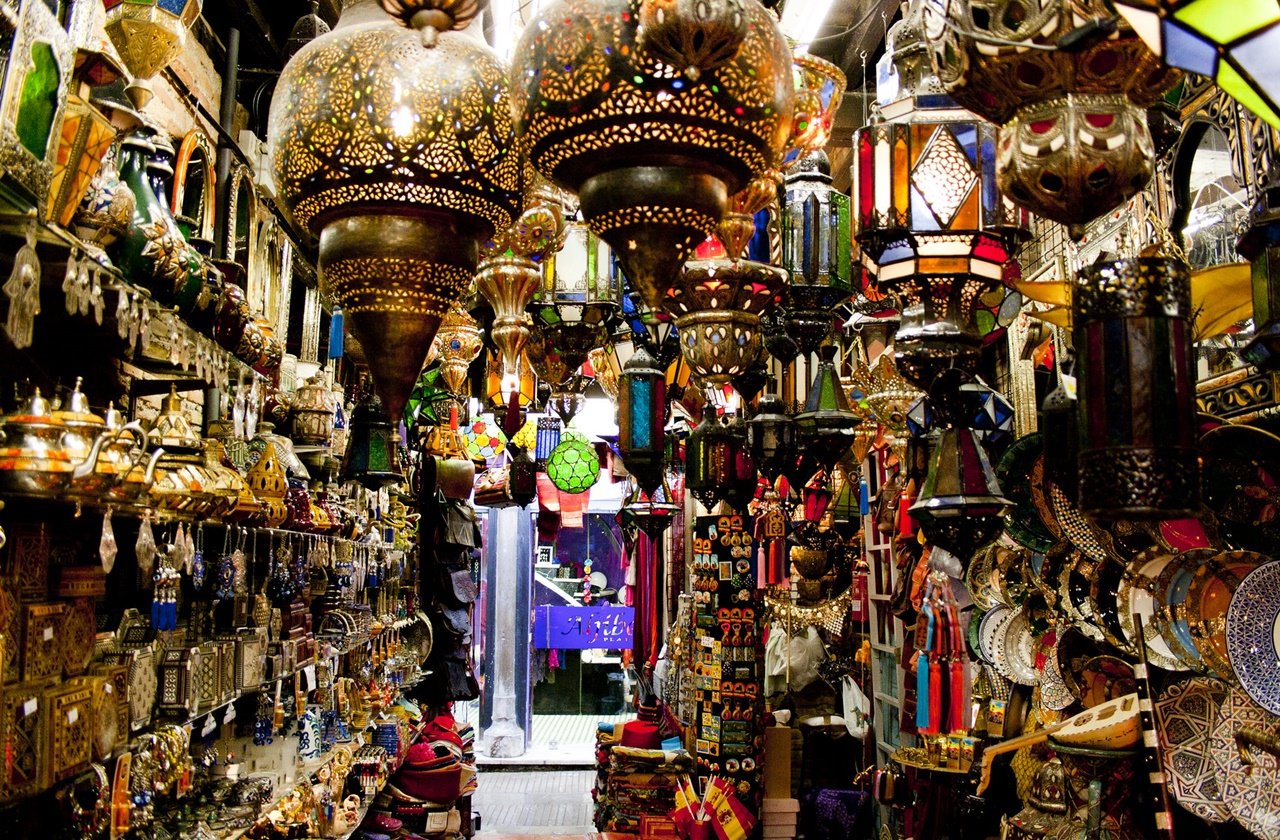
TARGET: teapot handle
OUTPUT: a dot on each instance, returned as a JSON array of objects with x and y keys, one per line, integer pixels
[{"x": 86, "y": 467}]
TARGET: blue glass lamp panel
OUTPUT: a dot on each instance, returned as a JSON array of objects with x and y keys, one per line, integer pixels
[
  {"x": 990, "y": 192},
  {"x": 1189, "y": 51},
  {"x": 1259, "y": 59},
  {"x": 759, "y": 248}
]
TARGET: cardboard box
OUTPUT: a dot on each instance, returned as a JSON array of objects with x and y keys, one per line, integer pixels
[{"x": 777, "y": 762}]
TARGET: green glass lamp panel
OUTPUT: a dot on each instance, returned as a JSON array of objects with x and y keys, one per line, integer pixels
[
  {"x": 1237, "y": 87},
  {"x": 573, "y": 466},
  {"x": 39, "y": 101},
  {"x": 1265, "y": 276},
  {"x": 840, "y": 204},
  {"x": 1226, "y": 20}
]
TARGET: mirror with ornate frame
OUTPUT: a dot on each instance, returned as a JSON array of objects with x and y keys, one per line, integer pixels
[
  {"x": 243, "y": 216},
  {"x": 193, "y": 185}
]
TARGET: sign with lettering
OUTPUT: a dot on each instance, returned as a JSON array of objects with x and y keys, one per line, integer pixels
[{"x": 583, "y": 628}]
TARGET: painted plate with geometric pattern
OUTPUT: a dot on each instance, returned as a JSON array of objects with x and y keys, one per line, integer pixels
[
  {"x": 1250, "y": 792},
  {"x": 1253, "y": 635},
  {"x": 1188, "y": 711}
]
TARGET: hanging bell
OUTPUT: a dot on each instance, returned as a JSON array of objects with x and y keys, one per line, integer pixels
[
  {"x": 372, "y": 456},
  {"x": 961, "y": 505}
]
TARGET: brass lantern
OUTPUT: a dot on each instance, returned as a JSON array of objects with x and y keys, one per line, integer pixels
[
  {"x": 457, "y": 344},
  {"x": 928, "y": 215},
  {"x": 399, "y": 156},
  {"x": 148, "y": 34},
  {"x": 816, "y": 251},
  {"x": 1068, "y": 93},
  {"x": 653, "y": 146}
]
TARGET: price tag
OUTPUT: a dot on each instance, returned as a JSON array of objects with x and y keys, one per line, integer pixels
[
  {"x": 108, "y": 688},
  {"x": 230, "y": 715},
  {"x": 310, "y": 673},
  {"x": 210, "y": 724},
  {"x": 48, "y": 634},
  {"x": 73, "y": 715},
  {"x": 29, "y": 707}
]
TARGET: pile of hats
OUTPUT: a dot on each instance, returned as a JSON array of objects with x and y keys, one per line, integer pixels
[{"x": 437, "y": 771}]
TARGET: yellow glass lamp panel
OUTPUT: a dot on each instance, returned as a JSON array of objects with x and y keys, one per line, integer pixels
[
  {"x": 901, "y": 176},
  {"x": 1226, "y": 20},
  {"x": 1236, "y": 86}
]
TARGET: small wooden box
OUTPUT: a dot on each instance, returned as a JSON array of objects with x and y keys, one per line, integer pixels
[
  {"x": 78, "y": 632},
  {"x": 82, "y": 582},
  {"x": 227, "y": 668},
  {"x": 42, "y": 632},
  {"x": 69, "y": 730},
  {"x": 23, "y": 771},
  {"x": 207, "y": 673},
  {"x": 141, "y": 666},
  {"x": 117, "y": 687},
  {"x": 177, "y": 693},
  {"x": 250, "y": 655}
]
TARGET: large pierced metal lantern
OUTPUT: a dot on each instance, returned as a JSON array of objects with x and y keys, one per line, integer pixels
[
  {"x": 816, "y": 250},
  {"x": 928, "y": 215},
  {"x": 148, "y": 34},
  {"x": 1074, "y": 141},
  {"x": 1235, "y": 44},
  {"x": 717, "y": 305},
  {"x": 1133, "y": 337},
  {"x": 771, "y": 435},
  {"x": 642, "y": 412},
  {"x": 718, "y": 465},
  {"x": 653, "y": 146},
  {"x": 399, "y": 156}
]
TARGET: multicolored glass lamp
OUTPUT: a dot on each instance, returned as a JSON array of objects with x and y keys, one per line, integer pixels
[
  {"x": 928, "y": 215},
  {"x": 718, "y": 466},
  {"x": 642, "y": 414},
  {"x": 654, "y": 130},
  {"x": 816, "y": 251},
  {"x": 1235, "y": 44},
  {"x": 372, "y": 457},
  {"x": 396, "y": 149},
  {"x": 961, "y": 505},
  {"x": 148, "y": 34},
  {"x": 826, "y": 425},
  {"x": 1069, "y": 90}
]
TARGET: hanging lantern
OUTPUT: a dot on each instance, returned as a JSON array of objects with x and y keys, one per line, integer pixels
[
  {"x": 652, "y": 148},
  {"x": 1234, "y": 44},
  {"x": 718, "y": 465},
  {"x": 372, "y": 457},
  {"x": 1074, "y": 142},
  {"x": 484, "y": 441},
  {"x": 456, "y": 346},
  {"x": 928, "y": 216},
  {"x": 816, "y": 251},
  {"x": 395, "y": 149},
  {"x": 960, "y": 506},
  {"x": 511, "y": 269},
  {"x": 826, "y": 425},
  {"x": 771, "y": 436},
  {"x": 642, "y": 411},
  {"x": 85, "y": 136},
  {"x": 1260, "y": 245},
  {"x": 505, "y": 389},
  {"x": 148, "y": 34},
  {"x": 717, "y": 304},
  {"x": 1132, "y": 326},
  {"x": 549, "y": 429},
  {"x": 606, "y": 370},
  {"x": 573, "y": 465},
  {"x": 305, "y": 30},
  {"x": 522, "y": 480},
  {"x": 820, "y": 89}
]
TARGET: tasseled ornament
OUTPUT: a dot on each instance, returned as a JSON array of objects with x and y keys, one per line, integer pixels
[
  {"x": 864, "y": 497},
  {"x": 958, "y": 706},
  {"x": 935, "y": 698},
  {"x": 906, "y": 525},
  {"x": 922, "y": 691}
]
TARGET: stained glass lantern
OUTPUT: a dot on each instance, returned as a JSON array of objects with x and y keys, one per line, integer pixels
[
  {"x": 509, "y": 390},
  {"x": 928, "y": 215},
  {"x": 816, "y": 251},
  {"x": 826, "y": 425},
  {"x": 148, "y": 34},
  {"x": 397, "y": 151},
  {"x": 548, "y": 438},
  {"x": 717, "y": 304},
  {"x": 1074, "y": 142},
  {"x": 653, "y": 133},
  {"x": 1235, "y": 44},
  {"x": 771, "y": 436},
  {"x": 961, "y": 505},
  {"x": 85, "y": 136},
  {"x": 1260, "y": 245},
  {"x": 718, "y": 466},
  {"x": 484, "y": 440},
  {"x": 820, "y": 89},
  {"x": 1132, "y": 327},
  {"x": 372, "y": 456},
  {"x": 573, "y": 465},
  {"x": 642, "y": 413},
  {"x": 979, "y": 408}
]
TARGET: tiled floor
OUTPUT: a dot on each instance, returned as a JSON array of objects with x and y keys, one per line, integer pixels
[{"x": 515, "y": 805}]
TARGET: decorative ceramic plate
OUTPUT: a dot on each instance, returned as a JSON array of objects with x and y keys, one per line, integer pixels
[
  {"x": 1079, "y": 582},
  {"x": 977, "y": 578},
  {"x": 1020, "y": 650},
  {"x": 1073, "y": 651},
  {"x": 1077, "y": 527},
  {"x": 991, "y": 639},
  {"x": 1212, "y": 587},
  {"x": 1103, "y": 590},
  {"x": 1250, "y": 793},
  {"x": 1106, "y": 678},
  {"x": 971, "y": 633},
  {"x": 1253, "y": 635},
  {"x": 1022, "y": 466},
  {"x": 1171, "y": 593},
  {"x": 1011, "y": 575},
  {"x": 1054, "y": 694},
  {"x": 1187, "y": 711},
  {"x": 1136, "y": 596},
  {"x": 1242, "y": 485}
]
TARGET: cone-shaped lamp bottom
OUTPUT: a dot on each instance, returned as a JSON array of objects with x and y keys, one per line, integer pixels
[
  {"x": 395, "y": 278},
  {"x": 653, "y": 217}
]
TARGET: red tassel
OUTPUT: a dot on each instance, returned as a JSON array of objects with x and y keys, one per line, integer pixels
[
  {"x": 959, "y": 719},
  {"x": 906, "y": 525},
  {"x": 935, "y": 698}
]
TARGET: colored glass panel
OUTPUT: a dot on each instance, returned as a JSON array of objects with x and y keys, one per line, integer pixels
[
  {"x": 39, "y": 100},
  {"x": 1186, "y": 50},
  {"x": 1259, "y": 59},
  {"x": 1235, "y": 85},
  {"x": 1226, "y": 20},
  {"x": 900, "y": 173}
]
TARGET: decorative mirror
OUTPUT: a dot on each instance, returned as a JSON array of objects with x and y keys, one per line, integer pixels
[
  {"x": 193, "y": 187},
  {"x": 1210, "y": 195},
  {"x": 243, "y": 214}
]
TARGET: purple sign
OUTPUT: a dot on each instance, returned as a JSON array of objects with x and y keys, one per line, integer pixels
[{"x": 583, "y": 628}]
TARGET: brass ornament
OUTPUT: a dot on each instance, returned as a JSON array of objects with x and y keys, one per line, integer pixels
[
  {"x": 693, "y": 36},
  {"x": 653, "y": 153},
  {"x": 148, "y": 35},
  {"x": 820, "y": 87},
  {"x": 458, "y": 342}
]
